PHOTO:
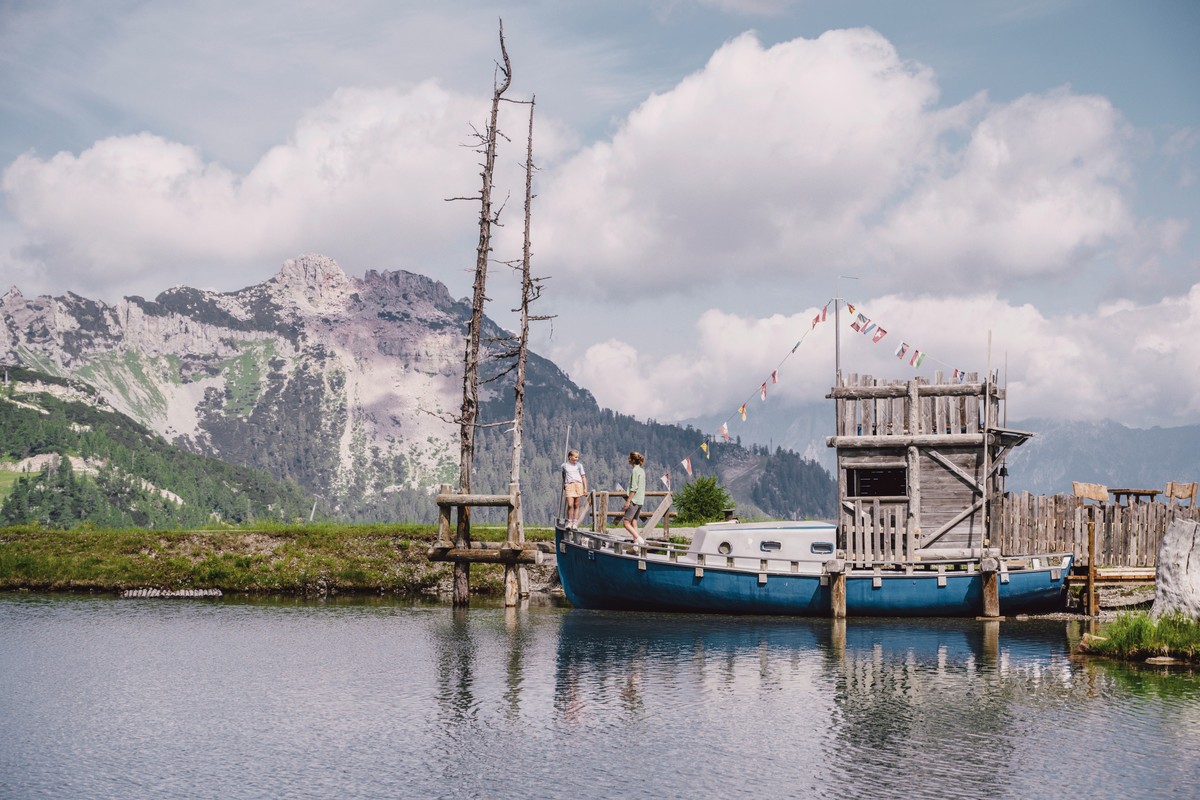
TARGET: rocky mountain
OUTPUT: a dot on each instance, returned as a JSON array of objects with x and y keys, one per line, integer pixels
[{"x": 345, "y": 386}]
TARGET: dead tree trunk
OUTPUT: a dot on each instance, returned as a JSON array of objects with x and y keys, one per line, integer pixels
[
  {"x": 470, "y": 406},
  {"x": 514, "y": 582}
]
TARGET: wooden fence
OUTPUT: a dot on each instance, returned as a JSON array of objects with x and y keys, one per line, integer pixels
[{"x": 1126, "y": 535}]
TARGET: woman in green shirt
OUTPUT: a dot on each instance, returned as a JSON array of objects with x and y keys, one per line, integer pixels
[{"x": 636, "y": 497}]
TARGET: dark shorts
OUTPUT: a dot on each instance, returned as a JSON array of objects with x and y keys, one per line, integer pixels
[{"x": 632, "y": 512}]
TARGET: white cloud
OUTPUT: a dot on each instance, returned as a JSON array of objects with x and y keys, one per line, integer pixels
[
  {"x": 365, "y": 177},
  {"x": 831, "y": 153},
  {"x": 766, "y": 157},
  {"x": 1133, "y": 363},
  {"x": 1037, "y": 190}
]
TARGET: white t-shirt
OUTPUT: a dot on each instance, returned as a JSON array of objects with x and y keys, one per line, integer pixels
[{"x": 572, "y": 473}]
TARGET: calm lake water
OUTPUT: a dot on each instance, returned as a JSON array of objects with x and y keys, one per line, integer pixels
[{"x": 107, "y": 698}]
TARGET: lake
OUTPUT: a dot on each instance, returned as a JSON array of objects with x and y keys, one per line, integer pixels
[{"x": 104, "y": 698}]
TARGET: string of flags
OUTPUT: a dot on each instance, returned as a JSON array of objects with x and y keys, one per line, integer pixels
[{"x": 860, "y": 323}]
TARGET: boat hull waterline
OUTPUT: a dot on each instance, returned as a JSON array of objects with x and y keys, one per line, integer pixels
[{"x": 599, "y": 572}]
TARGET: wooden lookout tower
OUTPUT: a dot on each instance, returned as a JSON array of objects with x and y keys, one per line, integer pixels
[{"x": 919, "y": 465}]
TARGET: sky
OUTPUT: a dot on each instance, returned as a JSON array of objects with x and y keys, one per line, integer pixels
[{"x": 1008, "y": 185}]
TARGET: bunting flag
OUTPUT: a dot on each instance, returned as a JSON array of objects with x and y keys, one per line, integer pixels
[
  {"x": 850, "y": 308},
  {"x": 958, "y": 376},
  {"x": 742, "y": 411},
  {"x": 774, "y": 376},
  {"x": 860, "y": 322},
  {"x": 869, "y": 328},
  {"x": 821, "y": 316},
  {"x": 704, "y": 447},
  {"x": 917, "y": 358},
  {"x": 666, "y": 480},
  {"x": 901, "y": 350},
  {"x": 725, "y": 432},
  {"x": 879, "y": 334},
  {"x": 762, "y": 391},
  {"x": 687, "y": 466}
]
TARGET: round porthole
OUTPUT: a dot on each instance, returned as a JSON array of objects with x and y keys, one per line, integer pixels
[{"x": 724, "y": 548}]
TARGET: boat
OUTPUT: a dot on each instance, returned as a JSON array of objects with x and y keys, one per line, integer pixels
[
  {"x": 788, "y": 568},
  {"x": 921, "y": 467}
]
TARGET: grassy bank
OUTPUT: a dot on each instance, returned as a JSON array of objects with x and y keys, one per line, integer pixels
[
  {"x": 300, "y": 560},
  {"x": 1138, "y": 637}
]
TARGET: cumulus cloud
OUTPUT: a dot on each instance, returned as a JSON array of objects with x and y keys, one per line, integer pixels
[
  {"x": 765, "y": 157},
  {"x": 365, "y": 176},
  {"x": 1036, "y": 190},
  {"x": 1125, "y": 361},
  {"x": 782, "y": 161}
]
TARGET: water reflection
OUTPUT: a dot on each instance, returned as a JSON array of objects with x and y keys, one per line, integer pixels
[{"x": 376, "y": 700}]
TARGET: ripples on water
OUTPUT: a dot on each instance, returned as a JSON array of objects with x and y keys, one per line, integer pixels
[{"x": 168, "y": 698}]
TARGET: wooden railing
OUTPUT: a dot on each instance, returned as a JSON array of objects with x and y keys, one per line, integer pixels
[
  {"x": 875, "y": 534},
  {"x": 1126, "y": 536}
]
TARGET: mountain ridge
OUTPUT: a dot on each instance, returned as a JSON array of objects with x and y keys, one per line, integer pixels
[{"x": 346, "y": 386}]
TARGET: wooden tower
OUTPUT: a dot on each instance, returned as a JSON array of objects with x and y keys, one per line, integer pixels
[{"x": 918, "y": 467}]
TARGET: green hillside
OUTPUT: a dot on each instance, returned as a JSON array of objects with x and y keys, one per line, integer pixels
[{"x": 124, "y": 475}]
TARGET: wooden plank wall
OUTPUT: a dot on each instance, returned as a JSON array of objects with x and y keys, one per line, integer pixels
[
  {"x": 888, "y": 416},
  {"x": 1126, "y": 536}
]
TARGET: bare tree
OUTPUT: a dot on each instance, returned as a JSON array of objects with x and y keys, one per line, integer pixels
[{"x": 470, "y": 405}]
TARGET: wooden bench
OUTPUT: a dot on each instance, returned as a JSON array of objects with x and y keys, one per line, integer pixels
[
  {"x": 1180, "y": 491},
  {"x": 1090, "y": 491}
]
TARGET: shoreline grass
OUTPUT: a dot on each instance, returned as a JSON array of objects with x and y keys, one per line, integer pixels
[
  {"x": 1137, "y": 636},
  {"x": 302, "y": 560}
]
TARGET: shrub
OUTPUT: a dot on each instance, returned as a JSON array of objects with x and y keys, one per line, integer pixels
[{"x": 702, "y": 500}]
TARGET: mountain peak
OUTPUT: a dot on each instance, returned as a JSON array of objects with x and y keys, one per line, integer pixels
[{"x": 314, "y": 282}]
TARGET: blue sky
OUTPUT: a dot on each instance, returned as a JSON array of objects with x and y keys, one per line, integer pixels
[{"x": 708, "y": 171}]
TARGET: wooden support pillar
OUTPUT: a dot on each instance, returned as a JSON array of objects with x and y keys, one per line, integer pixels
[
  {"x": 990, "y": 572},
  {"x": 1093, "y": 608},
  {"x": 443, "y": 532},
  {"x": 462, "y": 569},
  {"x": 513, "y": 537},
  {"x": 600, "y": 516},
  {"x": 836, "y": 569}
]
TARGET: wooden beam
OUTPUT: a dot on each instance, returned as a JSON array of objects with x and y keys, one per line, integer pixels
[
  {"x": 901, "y": 389},
  {"x": 656, "y": 517},
  {"x": 906, "y": 440},
  {"x": 530, "y": 553},
  {"x": 476, "y": 500},
  {"x": 955, "y": 470},
  {"x": 933, "y": 537}
]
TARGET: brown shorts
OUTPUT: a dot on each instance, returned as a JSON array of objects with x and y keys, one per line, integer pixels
[
  {"x": 632, "y": 512},
  {"x": 574, "y": 490}
]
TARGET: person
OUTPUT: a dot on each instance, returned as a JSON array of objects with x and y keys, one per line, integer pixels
[
  {"x": 574, "y": 485},
  {"x": 636, "y": 497}
]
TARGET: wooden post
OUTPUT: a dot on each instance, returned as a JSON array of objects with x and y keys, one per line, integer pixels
[
  {"x": 600, "y": 516},
  {"x": 513, "y": 538},
  {"x": 443, "y": 532},
  {"x": 990, "y": 572},
  {"x": 1092, "y": 608},
  {"x": 836, "y": 568}
]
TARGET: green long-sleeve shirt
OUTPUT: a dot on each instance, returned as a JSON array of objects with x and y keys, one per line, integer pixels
[{"x": 637, "y": 486}]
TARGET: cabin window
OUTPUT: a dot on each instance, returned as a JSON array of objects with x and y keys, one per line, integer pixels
[
  {"x": 876, "y": 482},
  {"x": 769, "y": 547},
  {"x": 821, "y": 548}
]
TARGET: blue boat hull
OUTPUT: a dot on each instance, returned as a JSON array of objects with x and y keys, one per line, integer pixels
[{"x": 602, "y": 579}]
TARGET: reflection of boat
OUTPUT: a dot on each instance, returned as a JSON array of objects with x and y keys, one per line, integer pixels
[
  {"x": 601, "y": 637},
  {"x": 787, "y": 568}
]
